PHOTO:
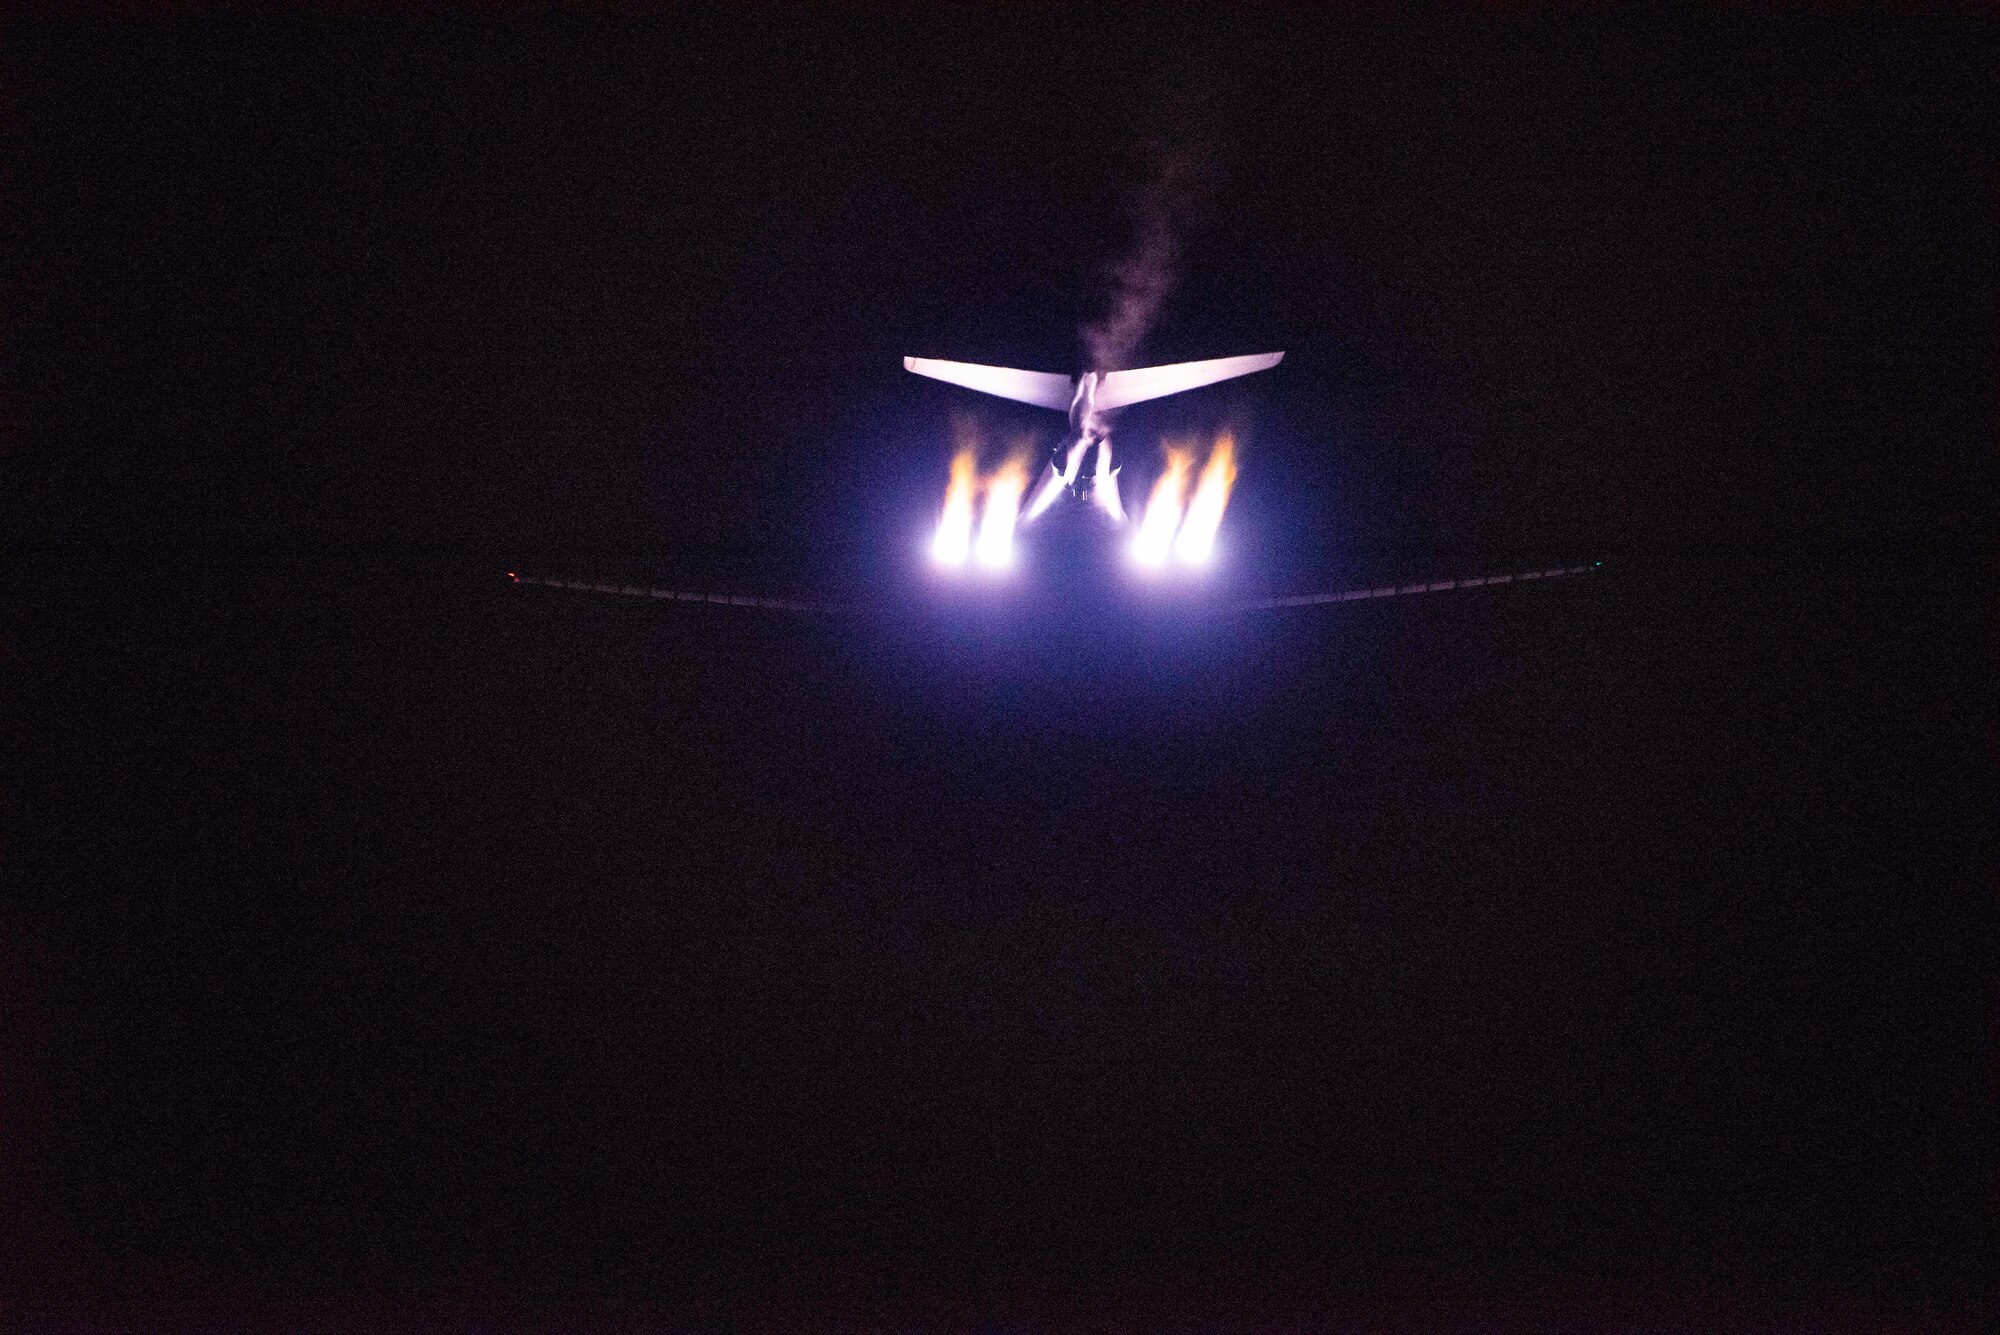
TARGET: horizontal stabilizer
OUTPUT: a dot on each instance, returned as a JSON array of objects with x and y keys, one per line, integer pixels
[
  {"x": 1044, "y": 389},
  {"x": 1153, "y": 382}
]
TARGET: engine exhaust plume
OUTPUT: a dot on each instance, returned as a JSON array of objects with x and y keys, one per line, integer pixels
[
  {"x": 995, "y": 548},
  {"x": 1211, "y": 497},
  {"x": 1144, "y": 276},
  {"x": 953, "y": 542},
  {"x": 1163, "y": 509}
]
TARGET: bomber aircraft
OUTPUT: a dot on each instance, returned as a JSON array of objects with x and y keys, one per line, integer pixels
[
  {"x": 1080, "y": 463},
  {"x": 1081, "y": 460}
]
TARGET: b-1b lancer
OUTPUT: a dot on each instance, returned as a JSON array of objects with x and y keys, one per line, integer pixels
[
  {"x": 1081, "y": 460},
  {"x": 1081, "y": 464}
]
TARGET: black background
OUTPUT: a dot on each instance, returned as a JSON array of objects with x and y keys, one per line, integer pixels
[{"x": 388, "y": 945}]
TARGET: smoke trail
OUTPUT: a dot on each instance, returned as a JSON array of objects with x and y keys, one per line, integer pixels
[{"x": 1144, "y": 276}]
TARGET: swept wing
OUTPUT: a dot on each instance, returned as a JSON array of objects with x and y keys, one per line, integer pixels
[
  {"x": 1044, "y": 389},
  {"x": 1120, "y": 388}
]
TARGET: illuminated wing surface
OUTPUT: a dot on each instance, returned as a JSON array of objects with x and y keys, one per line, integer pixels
[
  {"x": 1044, "y": 389},
  {"x": 1153, "y": 382},
  {"x": 1232, "y": 605}
]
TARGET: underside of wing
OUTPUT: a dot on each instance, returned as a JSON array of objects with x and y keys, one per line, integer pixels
[
  {"x": 1044, "y": 389},
  {"x": 1153, "y": 382}
]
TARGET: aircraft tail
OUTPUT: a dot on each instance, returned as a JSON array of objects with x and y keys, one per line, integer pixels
[
  {"x": 1041, "y": 388},
  {"x": 1120, "y": 388}
]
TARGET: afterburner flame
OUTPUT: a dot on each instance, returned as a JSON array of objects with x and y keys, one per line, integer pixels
[
  {"x": 1211, "y": 497},
  {"x": 1173, "y": 525},
  {"x": 953, "y": 543},
  {"x": 1163, "y": 509},
  {"x": 995, "y": 548}
]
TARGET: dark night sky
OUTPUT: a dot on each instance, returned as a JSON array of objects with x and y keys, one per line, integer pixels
[{"x": 436, "y": 953}]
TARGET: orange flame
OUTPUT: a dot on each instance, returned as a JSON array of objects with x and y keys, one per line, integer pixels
[
  {"x": 1163, "y": 509},
  {"x": 1211, "y": 497},
  {"x": 953, "y": 543},
  {"x": 995, "y": 548}
]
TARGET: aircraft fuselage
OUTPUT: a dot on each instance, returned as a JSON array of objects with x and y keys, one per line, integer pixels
[
  {"x": 1080, "y": 456},
  {"x": 1081, "y": 460}
]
